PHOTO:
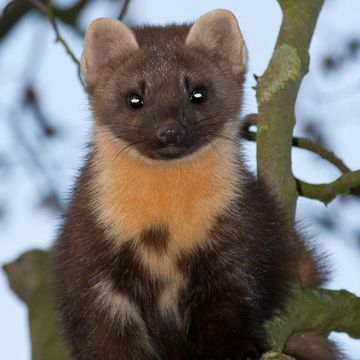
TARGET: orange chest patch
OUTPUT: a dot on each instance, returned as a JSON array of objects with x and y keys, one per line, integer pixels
[{"x": 185, "y": 195}]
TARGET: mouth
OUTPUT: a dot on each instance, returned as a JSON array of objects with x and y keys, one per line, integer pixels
[{"x": 170, "y": 152}]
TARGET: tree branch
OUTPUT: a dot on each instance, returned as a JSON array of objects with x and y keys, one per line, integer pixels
[
  {"x": 16, "y": 9},
  {"x": 48, "y": 11},
  {"x": 300, "y": 142},
  {"x": 35, "y": 160},
  {"x": 348, "y": 183},
  {"x": 316, "y": 148},
  {"x": 124, "y": 10},
  {"x": 275, "y": 355},
  {"x": 248, "y": 121},
  {"x": 276, "y": 93},
  {"x": 320, "y": 310},
  {"x": 327, "y": 192},
  {"x": 30, "y": 278},
  {"x": 12, "y": 13}
]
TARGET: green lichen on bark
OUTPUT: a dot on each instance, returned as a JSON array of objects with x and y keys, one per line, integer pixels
[
  {"x": 276, "y": 95},
  {"x": 320, "y": 310},
  {"x": 285, "y": 66},
  {"x": 274, "y": 355},
  {"x": 327, "y": 192}
]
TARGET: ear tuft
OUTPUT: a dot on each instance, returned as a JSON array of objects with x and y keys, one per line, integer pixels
[
  {"x": 218, "y": 32},
  {"x": 105, "y": 38}
]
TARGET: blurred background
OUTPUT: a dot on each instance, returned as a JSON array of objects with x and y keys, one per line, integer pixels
[{"x": 45, "y": 124}]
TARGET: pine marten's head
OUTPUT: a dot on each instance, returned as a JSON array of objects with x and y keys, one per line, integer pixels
[{"x": 166, "y": 91}]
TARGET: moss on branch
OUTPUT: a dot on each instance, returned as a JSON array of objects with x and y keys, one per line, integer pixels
[
  {"x": 327, "y": 192},
  {"x": 320, "y": 310},
  {"x": 276, "y": 94},
  {"x": 275, "y": 355},
  {"x": 285, "y": 65}
]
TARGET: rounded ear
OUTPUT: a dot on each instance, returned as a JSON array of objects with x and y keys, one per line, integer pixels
[
  {"x": 104, "y": 39},
  {"x": 218, "y": 32}
]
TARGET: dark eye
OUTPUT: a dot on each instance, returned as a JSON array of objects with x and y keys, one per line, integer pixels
[
  {"x": 197, "y": 96},
  {"x": 135, "y": 101}
]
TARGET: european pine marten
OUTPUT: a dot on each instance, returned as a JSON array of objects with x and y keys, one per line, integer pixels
[{"x": 170, "y": 248}]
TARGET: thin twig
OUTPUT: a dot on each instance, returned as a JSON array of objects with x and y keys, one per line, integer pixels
[
  {"x": 47, "y": 11},
  {"x": 32, "y": 154},
  {"x": 249, "y": 120},
  {"x": 299, "y": 142},
  {"x": 305, "y": 189},
  {"x": 124, "y": 10},
  {"x": 316, "y": 148}
]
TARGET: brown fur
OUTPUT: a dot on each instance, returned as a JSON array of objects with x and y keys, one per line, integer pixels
[
  {"x": 311, "y": 346},
  {"x": 133, "y": 194},
  {"x": 170, "y": 257},
  {"x": 312, "y": 270}
]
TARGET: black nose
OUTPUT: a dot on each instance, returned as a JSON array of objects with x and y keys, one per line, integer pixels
[{"x": 171, "y": 134}]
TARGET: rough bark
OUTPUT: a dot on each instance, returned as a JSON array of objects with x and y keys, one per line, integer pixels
[{"x": 276, "y": 93}]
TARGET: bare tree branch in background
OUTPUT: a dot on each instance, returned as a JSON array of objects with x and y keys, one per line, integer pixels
[
  {"x": 33, "y": 161},
  {"x": 16, "y": 9},
  {"x": 47, "y": 10},
  {"x": 306, "y": 144},
  {"x": 31, "y": 100},
  {"x": 124, "y": 9}
]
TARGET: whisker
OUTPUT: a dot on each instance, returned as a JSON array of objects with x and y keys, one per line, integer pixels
[
  {"x": 124, "y": 148},
  {"x": 214, "y": 115},
  {"x": 216, "y": 135}
]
